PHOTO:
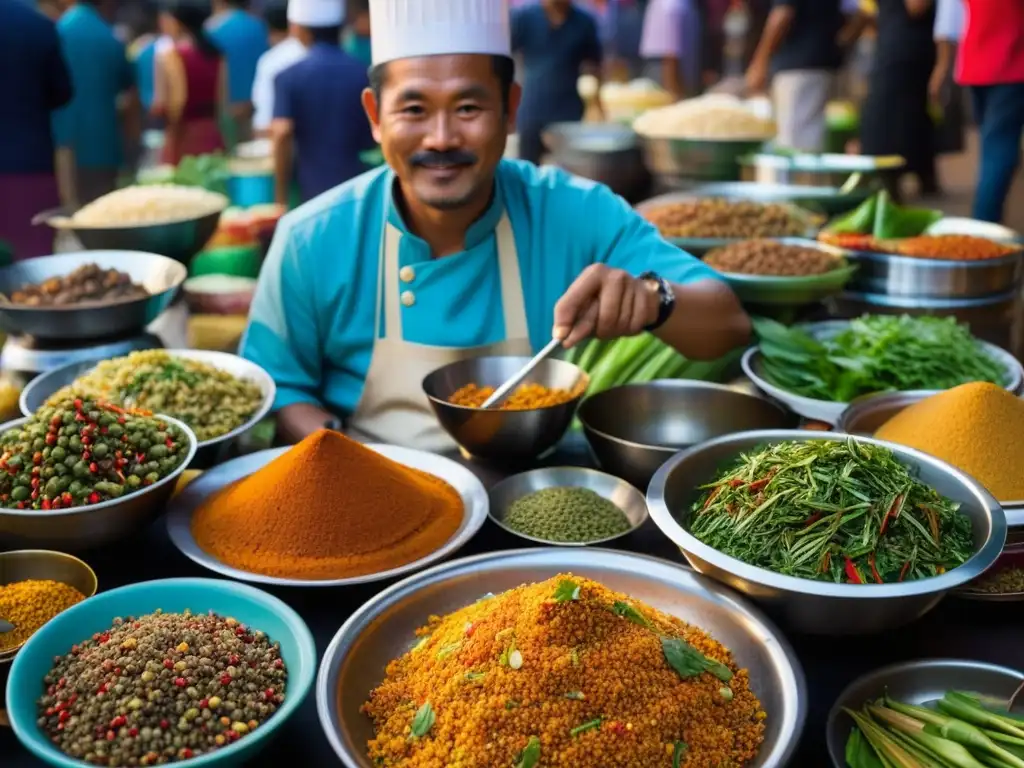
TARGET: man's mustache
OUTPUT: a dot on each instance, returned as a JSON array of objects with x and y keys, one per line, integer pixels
[{"x": 442, "y": 159}]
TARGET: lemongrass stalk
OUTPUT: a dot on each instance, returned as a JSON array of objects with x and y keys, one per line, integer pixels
[
  {"x": 971, "y": 736},
  {"x": 967, "y": 709},
  {"x": 920, "y": 713},
  {"x": 884, "y": 744},
  {"x": 919, "y": 750},
  {"x": 1006, "y": 740},
  {"x": 993, "y": 704},
  {"x": 948, "y": 749}
]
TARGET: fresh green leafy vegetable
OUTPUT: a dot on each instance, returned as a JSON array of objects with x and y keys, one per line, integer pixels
[
  {"x": 859, "y": 221},
  {"x": 860, "y": 753},
  {"x": 831, "y": 510},
  {"x": 423, "y": 721},
  {"x": 678, "y": 751},
  {"x": 211, "y": 172},
  {"x": 875, "y": 353},
  {"x": 567, "y": 590},
  {"x": 881, "y": 218},
  {"x": 687, "y": 661},
  {"x": 627, "y": 611},
  {"x": 530, "y": 755}
]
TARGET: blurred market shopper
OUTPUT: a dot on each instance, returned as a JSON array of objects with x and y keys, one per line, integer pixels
[
  {"x": 142, "y": 52},
  {"x": 356, "y": 37},
  {"x": 318, "y": 130},
  {"x": 671, "y": 44},
  {"x": 558, "y": 42},
  {"x": 991, "y": 63},
  {"x": 191, "y": 79},
  {"x": 28, "y": 184},
  {"x": 286, "y": 50},
  {"x": 243, "y": 38},
  {"x": 450, "y": 252},
  {"x": 103, "y": 115},
  {"x": 799, "y": 53}
]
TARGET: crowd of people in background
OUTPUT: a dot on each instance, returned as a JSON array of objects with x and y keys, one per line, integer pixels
[{"x": 94, "y": 74}]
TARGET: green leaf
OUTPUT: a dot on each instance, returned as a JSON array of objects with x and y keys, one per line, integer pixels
[
  {"x": 567, "y": 591},
  {"x": 859, "y": 221},
  {"x": 678, "y": 751},
  {"x": 530, "y": 755},
  {"x": 423, "y": 721},
  {"x": 687, "y": 661},
  {"x": 587, "y": 726},
  {"x": 627, "y": 611}
]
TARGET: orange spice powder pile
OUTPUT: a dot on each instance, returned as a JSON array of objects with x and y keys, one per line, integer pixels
[{"x": 329, "y": 508}]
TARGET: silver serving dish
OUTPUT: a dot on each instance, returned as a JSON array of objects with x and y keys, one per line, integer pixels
[
  {"x": 961, "y": 225},
  {"x": 159, "y": 275},
  {"x": 867, "y": 414},
  {"x": 830, "y": 201},
  {"x": 383, "y": 629},
  {"x": 634, "y": 429},
  {"x": 83, "y": 528},
  {"x": 620, "y": 493},
  {"x": 698, "y": 246},
  {"x": 918, "y": 683},
  {"x": 892, "y": 275},
  {"x": 605, "y": 152},
  {"x": 179, "y": 518},
  {"x": 27, "y": 564},
  {"x": 825, "y": 170},
  {"x": 179, "y": 240},
  {"x": 676, "y": 160},
  {"x": 820, "y": 607},
  {"x": 208, "y": 452},
  {"x": 504, "y": 435}
]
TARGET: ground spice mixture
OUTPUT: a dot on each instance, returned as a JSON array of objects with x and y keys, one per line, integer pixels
[
  {"x": 563, "y": 673},
  {"x": 31, "y": 603},
  {"x": 976, "y": 427},
  {"x": 329, "y": 508},
  {"x": 769, "y": 257},
  {"x": 525, "y": 398}
]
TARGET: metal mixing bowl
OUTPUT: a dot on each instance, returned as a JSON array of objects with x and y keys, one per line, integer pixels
[
  {"x": 821, "y": 607},
  {"x": 497, "y": 434},
  {"x": 26, "y": 564},
  {"x": 157, "y": 274},
  {"x": 674, "y": 160},
  {"x": 82, "y": 528},
  {"x": 634, "y": 429},
  {"x": 825, "y": 170},
  {"x": 906, "y": 276},
  {"x": 827, "y": 200},
  {"x": 605, "y": 152},
  {"x": 383, "y": 629},
  {"x": 620, "y": 493}
]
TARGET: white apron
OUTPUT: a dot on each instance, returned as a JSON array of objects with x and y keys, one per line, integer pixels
[{"x": 393, "y": 408}]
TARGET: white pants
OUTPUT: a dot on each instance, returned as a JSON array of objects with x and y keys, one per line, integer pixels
[{"x": 800, "y": 97}]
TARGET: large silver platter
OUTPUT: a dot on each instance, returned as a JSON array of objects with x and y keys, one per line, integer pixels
[
  {"x": 159, "y": 275},
  {"x": 179, "y": 518},
  {"x": 892, "y": 275},
  {"x": 383, "y": 629}
]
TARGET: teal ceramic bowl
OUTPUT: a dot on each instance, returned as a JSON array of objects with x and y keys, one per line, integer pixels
[{"x": 249, "y": 605}]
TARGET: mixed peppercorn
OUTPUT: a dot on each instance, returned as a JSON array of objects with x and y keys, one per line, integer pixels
[
  {"x": 85, "y": 452},
  {"x": 161, "y": 688}
]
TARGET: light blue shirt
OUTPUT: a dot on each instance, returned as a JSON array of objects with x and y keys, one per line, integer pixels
[
  {"x": 311, "y": 325},
  {"x": 949, "y": 20},
  {"x": 242, "y": 38}
]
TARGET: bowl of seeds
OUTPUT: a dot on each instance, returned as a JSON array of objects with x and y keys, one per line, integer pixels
[
  {"x": 567, "y": 506},
  {"x": 196, "y": 670}
]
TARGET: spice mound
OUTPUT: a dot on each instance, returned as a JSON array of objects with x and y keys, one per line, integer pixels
[
  {"x": 831, "y": 510},
  {"x": 211, "y": 401},
  {"x": 31, "y": 603},
  {"x": 161, "y": 688},
  {"x": 564, "y": 673},
  {"x": 977, "y": 427},
  {"x": 954, "y": 248},
  {"x": 87, "y": 284},
  {"x": 525, "y": 398},
  {"x": 768, "y": 257},
  {"x": 713, "y": 217},
  {"x": 566, "y": 514},
  {"x": 84, "y": 452},
  {"x": 329, "y": 508},
  {"x": 1008, "y": 580}
]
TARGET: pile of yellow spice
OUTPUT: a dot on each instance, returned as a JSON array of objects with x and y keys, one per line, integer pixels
[
  {"x": 31, "y": 603},
  {"x": 564, "y": 673}
]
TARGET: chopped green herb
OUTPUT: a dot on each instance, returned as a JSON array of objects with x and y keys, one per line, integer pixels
[
  {"x": 687, "y": 661},
  {"x": 567, "y": 590},
  {"x": 448, "y": 650},
  {"x": 677, "y": 753},
  {"x": 423, "y": 721},
  {"x": 419, "y": 646},
  {"x": 512, "y": 704},
  {"x": 627, "y": 611},
  {"x": 588, "y": 726},
  {"x": 473, "y": 676},
  {"x": 574, "y": 657},
  {"x": 530, "y": 755},
  {"x": 574, "y": 695}
]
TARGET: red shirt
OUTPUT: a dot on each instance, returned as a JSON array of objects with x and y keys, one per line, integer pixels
[{"x": 992, "y": 46}]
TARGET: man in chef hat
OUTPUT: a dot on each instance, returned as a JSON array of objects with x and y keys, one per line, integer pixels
[
  {"x": 450, "y": 252},
  {"x": 318, "y": 130}
]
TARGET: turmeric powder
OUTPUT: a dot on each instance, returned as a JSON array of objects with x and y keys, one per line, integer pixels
[
  {"x": 526, "y": 398},
  {"x": 977, "y": 427},
  {"x": 31, "y": 603},
  {"x": 328, "y": 508}
]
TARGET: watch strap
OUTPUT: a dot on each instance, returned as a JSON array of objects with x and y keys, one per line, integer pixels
[{"x": 666, "y": 299}]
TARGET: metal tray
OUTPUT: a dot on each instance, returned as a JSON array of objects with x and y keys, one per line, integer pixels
[
  {"x": 383, "y": 629},
  {"x": 179, "y": 517},
  {"x": 893, "y": 275},
  {"x": 915, "y": 682}
]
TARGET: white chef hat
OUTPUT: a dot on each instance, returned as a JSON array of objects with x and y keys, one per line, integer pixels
[
  {"x": 405, "y": 29},
  {"x": 316, "y": 13}
]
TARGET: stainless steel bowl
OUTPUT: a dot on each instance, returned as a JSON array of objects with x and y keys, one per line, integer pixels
[
  {"x": 918, "y": 683},
  {"x": 157, "y": 274},
  {"x": 620, "y": 493},
  {"x": 636, "y": 428},
  {"x": 827, "y": 200},
  {"x": 676, "y": 160},
  {"x": 605, "y": 152},
  {"x": 83, "y": 528},
  {"x": 208, "y": 452},
  {"x": 497, "y": 434},
  {"x": 891, "y": 275},
  {"x": 382, "y": 630},
  {"x": 826, "y": 170},
  {"x": 25, "y": 564},
  {"x": 820, "y": 607},
  {"x": 178, "y": 240}
]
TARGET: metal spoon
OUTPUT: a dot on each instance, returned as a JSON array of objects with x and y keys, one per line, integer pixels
[{"x": 506, "y": 389}]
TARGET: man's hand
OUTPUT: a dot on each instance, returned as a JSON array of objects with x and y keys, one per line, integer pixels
[
  {"x": 298, "y": 421},
  {"x": 757, "y": 76},
  {"x": 606, "y": 303},
  {"x": 937, "y": 86}
]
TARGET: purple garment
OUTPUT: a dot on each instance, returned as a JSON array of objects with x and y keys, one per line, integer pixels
[
  {"x": 24, "y": 196},
  {"x": 672, "y": 29}
]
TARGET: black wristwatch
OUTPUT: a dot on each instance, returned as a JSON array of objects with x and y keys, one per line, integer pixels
[
  {"x": 335, "y": 425},
  {"x": 666, "y": 299}
]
